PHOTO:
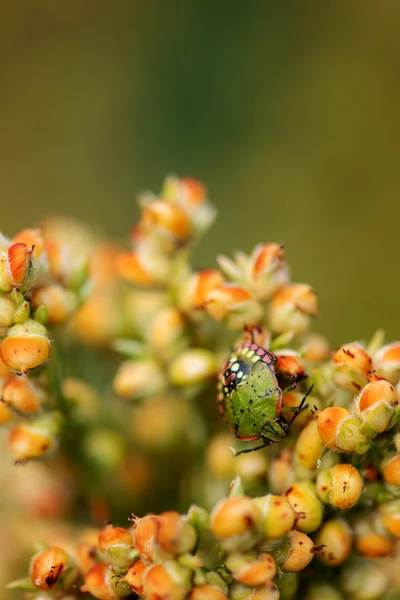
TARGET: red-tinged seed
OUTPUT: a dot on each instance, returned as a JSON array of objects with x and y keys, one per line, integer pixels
[
  {"x": 134, "y": 577},
  {"x": 86, "y": 556},
  {"x": 301, "y": 552},
  {"x": 207, "y": 591},
  {"x": 110, "y": 535},
  {"x": 144, "y": 533},
  {"x": 378, "y": 390},
  {"x": 328, "y": 423},
  {"x": 26, "y": 442},
  {"x": 130, "y": 267},
  {"x": 234, "y": 516},
  {"x": 19, "y": 260},
  {"x": 375, "y": 545},
  {"x": 20, "y": 394},
  {"x": 174, "y": 534},
  {"x": 96, "y": 583},
  {"x": 167, "y": 581},
  {"x": 47, "y": 568},
  {"x": 355, "y": 356}
]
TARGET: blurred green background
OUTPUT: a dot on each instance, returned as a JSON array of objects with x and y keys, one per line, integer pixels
[{"x": 288, "y": 111}]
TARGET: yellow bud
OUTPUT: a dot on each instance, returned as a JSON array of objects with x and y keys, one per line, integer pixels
[
  {"x": 277, "y": 516},
  {"x": 7, "y": 311},
  {"x": 306, "y": 505},
  {"x": 351, "y": 365},
  {"x": 22, "y": 395},
  {"x": 309, "y": 447},
  {"x": 168, "y": 580},
  {"x": 25, "y": 347},
  {"x": 251, "y": 569},
  {"x": 336, "y": 537},
  {"x": 33, "y": 439},
  {"x": 97, "y": 582},
  {"x": 207, "y": 591},
  {"x": 301, "y": 552},
  {"x": 135, "y": 379},
  {"x": 193, "y": 366},
  {"x": 387, "y": 362},
  {"x": 292, "y": 308}
]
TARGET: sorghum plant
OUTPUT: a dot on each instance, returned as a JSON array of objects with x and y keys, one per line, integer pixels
[{"x": 112, "y": 362}]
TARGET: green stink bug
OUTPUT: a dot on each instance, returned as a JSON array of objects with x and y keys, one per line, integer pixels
[{"x": 249, "y": 396}]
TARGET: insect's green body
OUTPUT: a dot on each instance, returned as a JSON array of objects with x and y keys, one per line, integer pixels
[{"x": 249, "y": 395}]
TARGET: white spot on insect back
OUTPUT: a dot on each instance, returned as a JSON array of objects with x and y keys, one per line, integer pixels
[
  {"x": 240, "y": 375},
  {"x": 235, "y": 367}
]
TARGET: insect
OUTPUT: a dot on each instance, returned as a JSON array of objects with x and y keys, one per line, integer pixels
[{"x": 249, "y": 396}]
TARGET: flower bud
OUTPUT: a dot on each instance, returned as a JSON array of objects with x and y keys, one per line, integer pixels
[
  {"x": 144, "y": 536},
  {"x": 277, "y": 516},
  {"x": 85, "y": 555},
  {"x": 389, "y": 513},
  {"x": 290, "y": 366},
  {"x": 146, "y": 267},
  {"x": 339, "y": 429},
  {"x": 207, "y": 591},
  {"x": 17, "y": 268},
  {"x": 351, "y": 364},
  {"x": 134, "y": 577},
  {"x": 233, "y": 302},
  {"x": 308, "y": 448},
  {"x": 376, "y": 406},
  {"x": 166, "y": 332},
  {"x": 234, "y": 521},
  {"x": 268, "y": 270},
  {"x": 251, "y": 569},
  {"x": 328, "y": 424},
  {"x": 251, "y": 467},
  {"x": 167, "y": 220},
  {"x": 33, "y": 238},
  {"x": 335, "y": 536},
  {"x": 193, "y": 366},
  {"x": 391, "y": 470},
  {"x": 292, "y": 309},
  {"x": 34, "y": 438},
  {"x": 169, "y": 581},
  {"x": 22, "y": 395},
  {"x": 220, "y": 460},
  {"x": 25, "y": 347},
  {"x": 340, "y": 486},
  {"x": 303, "y": 500},
  {"x": 7, "y": 311},
  {"x": 315, "y": 348},
  {"x": 196, "y": 289},
  {"x": 281, "y": 475},
  {"x": 51, "y": 569},
  {"x": 138, "y": 378},
  {"x": 387, "y": 362},
  {"x": 98, "y": 583},
  {"x": 60, "y": 303},
  {"x": 116, "y": 547},
  {"x": 174, "y": 534},
  {"x": 300, "y": 552}
]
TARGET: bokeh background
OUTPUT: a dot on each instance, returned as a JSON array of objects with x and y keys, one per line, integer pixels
[{"x": 288, "y": 111}]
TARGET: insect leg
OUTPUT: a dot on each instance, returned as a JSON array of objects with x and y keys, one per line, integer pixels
[
  {"x": 299, "y": 408},
  {"x": 265, "y": 445}
]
